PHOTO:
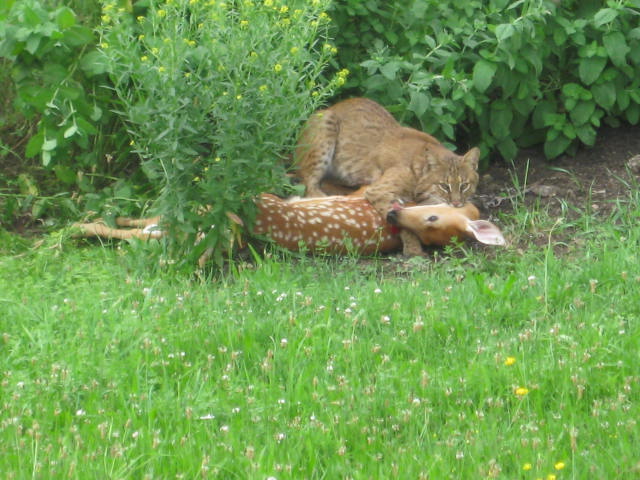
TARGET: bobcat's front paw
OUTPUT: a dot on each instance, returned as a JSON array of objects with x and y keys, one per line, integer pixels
[{"x": 411, "y": 246}]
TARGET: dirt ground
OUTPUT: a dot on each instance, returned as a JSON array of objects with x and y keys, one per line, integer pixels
[{"x": 591, "y": 181}]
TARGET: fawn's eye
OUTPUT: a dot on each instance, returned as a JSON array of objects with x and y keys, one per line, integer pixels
[
  {"x": 432, "y": 218},
  {"x": 445, "y": 187}
]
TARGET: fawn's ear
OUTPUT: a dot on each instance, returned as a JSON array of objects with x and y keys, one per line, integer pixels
[{"x": 485, "y": 232}]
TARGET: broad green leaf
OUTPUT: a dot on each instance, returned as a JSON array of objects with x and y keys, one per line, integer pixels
[
  {"x": 556, "y": 147},
  {"x": 507, "y": 148},
  {"x": 32, "y": 44},
  {"x": 604, "y": 16},
  {"x": 419, "y": 103},
  {"x": 65, "y": 18},
  {"x": 49, "y": 145},
  {"x": 500, "y": 119},
  {"x": 65, "y": 174},
  {"x": 504, "y": 31},
  {"x": 586, "y": 134},
  {"x": 34, "y": 145},
  {"x": 390, "y": 69},
  {"x": 94, "y": 63},
  {"x": 483, "y": 73},
  {"x": 591, "y": 68},
  {"x": 582, "y": 112},
  {"x": 604, "y": 94},
  {"x": 77, "y": 36},
  {"x": 574, "y": 90},
  {"x": 633, "y": 113},
  {"x": 623, "y": 99},
  {"x": 617, "y": 48},
  {"x": 46, "y": 158},
  {"x": 72, "y": 130}
]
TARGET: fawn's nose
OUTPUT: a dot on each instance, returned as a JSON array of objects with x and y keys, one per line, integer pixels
[{"x": 392, "y": 217}]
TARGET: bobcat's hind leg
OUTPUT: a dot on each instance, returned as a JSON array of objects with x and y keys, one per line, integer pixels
[{"x": 315, "y": 150}]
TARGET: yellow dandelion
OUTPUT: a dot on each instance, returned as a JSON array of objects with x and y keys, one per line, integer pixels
[
  {"x": 284, "y": 9},
  {"x": 140, "y": 18},
  {"x": 334, "y": 50},
  {"x": 144, "y": 58},
  {"x": 217, "y": 159},
  {"x": 262, "y": 88},
  {"x": 161, "y": 69},
  {"x": 323, "y": 16},
  {"x": 253, "y": 55},
  {"x": 527, "y": 466},
  {"x": 104, "y": 45},
  {"x": 106, "y": 18},
  {"x": 244, "y": 23},
  {"x": 277, "y": 67},
  {"x": 294, "y": 50},
  {"x": 141, "y": 37},
  {"x": 551, "y": 476},
  {"x": 191, "y": 43},
  {"x": 268, "y": 3},
  {"x": 155, "y": 50},
  {"x": 162, "y": 13},
  {"x": 521, "y": 391},
  {"x": 132, "y": 142},
  {"x": 238, "y": 97},
  {"x": 559, "y": 465},
  {"x": 187, "y": 74},
  {"x": 196, "y": 179},
  {"x": 510, "y": 361}
]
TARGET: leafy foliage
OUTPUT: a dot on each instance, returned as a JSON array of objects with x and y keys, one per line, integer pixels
[
  {"x": 212, "y": 94},
  {"x": 505, "y": 74}
]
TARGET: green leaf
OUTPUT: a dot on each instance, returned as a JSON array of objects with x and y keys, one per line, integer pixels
[
  {"x": 72, "y": 130},
  {"x": 591, "y": 68},
  {"x": 65, "y": 174},
  {"x": 94, "y": 63},
  {"x": 49, "y": 145},
  {"x": 604, "y": 16},
  {"x": 32, "y": 44},
  {"x": 582, "y": 112},
  {"x": 419, "y": 103},
  {"x": 390, "y": 69},
  {"x": 500, "y": 119},
  {"x": 617, "y": 48},
  {"x": 77, "y": 36},
  {"x": 46, "y": 158},
  {"x": 504, "y": 31},
  {"x": 65, "y": 18},
  {"x": 507, "y": 148},
  {"x": 34, "y": 145},
  {"x": 557, "y": 146},
  {"x": 604, "y": 94},
  {"x": 483, "y": 73},
  {"x": 586, "y": 134},
  {"x": 633, "y": 113}
]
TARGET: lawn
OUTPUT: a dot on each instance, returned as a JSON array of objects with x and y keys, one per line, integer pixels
[{"x": 521, "y": 363}]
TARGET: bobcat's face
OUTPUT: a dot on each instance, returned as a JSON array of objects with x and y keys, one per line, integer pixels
[{"x": 448, "y": 178}]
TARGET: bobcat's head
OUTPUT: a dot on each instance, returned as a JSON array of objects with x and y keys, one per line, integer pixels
[{"x": 447, "y": 177}]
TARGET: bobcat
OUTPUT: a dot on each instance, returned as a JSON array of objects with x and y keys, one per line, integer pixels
[{"x": 357, "y": 142}]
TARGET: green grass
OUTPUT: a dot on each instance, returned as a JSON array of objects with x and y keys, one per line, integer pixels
[{"x": 329, "y": 369}]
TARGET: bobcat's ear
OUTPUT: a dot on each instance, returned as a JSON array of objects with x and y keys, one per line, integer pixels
[
  {"x": 431, "y": 160},
  {"x": 472, "y": 157}
]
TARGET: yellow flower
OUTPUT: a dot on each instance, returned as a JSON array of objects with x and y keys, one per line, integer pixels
[
  {"x": 527, "y": 466},
  {"x": 551, "y": 476},
  {"x": 162, "y": 13},
  {"x": 154, "y": 50},
  {"x": 294, "y": 50},
  {"x": 244, "y": 23},
  {"x": 268, "y": 3},
  {"x": 284, "y": 9},
  {"x": 277, "y": 67},
  {"x": 141, "y": 37},
  {"x": 144, "y": 58},
  {"x": 217, "y": 159},
  {"x": 510, "y": 361},
  {"x": 187, "y": 74},
  {"x": 238, "y": 97},
  {"x": 132, "y": 142},
  {"x": 161, "y": 69},
  {"x": 140, "y": 18},
  {"x": 559, "y": 465},
  {"x": 106, "y": 18},
  {"x": 343, "y": 73},
  {"x": 521, "y": 391},
  {"x": 340, "y": 81},
  {"x": 193, "y": 2},
  {"x": 104, "y": 45},
  {"x": 262, "y": 88}
]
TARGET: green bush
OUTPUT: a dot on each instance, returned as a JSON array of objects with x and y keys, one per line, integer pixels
[
  {"x": 212, "y": 93},
  {"x": 503, "y": 74},
  {"x": 73, "y": 133}
]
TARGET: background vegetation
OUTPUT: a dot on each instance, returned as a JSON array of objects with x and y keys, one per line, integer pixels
[{"x": 117, "y": 107}]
